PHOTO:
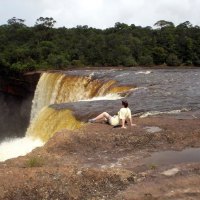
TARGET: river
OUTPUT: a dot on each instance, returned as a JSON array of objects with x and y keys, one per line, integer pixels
[{"x": 173, "y": 90}]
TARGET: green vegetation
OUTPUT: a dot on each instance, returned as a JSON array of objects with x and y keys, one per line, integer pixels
[
  {"x": 35, "y": 162},
  {"x": 153, "y": 167},
  {"x": 42, "y": 46}
]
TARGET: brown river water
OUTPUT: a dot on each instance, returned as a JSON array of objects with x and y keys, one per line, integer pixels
[{"x": 173, "y": 91}]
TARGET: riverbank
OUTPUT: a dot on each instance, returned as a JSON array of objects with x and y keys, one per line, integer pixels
[{"x": 102, "y": 162}]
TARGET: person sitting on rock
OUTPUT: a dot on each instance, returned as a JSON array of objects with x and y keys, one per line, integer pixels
[{"x": 123, "y": 115}]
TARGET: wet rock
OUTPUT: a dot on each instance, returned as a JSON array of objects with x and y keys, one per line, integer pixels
[
  {"x": 171, "y": 172},
  {"x": 152, "y": 129},
  {"x": 78, "y": 164}
]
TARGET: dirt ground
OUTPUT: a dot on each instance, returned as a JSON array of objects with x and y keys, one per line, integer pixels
[{"x": 102, "y": 162}]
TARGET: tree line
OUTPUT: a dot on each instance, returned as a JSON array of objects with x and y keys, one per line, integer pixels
[{"x": 42, "y": 46}]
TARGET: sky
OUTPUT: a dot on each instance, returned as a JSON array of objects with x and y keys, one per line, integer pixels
[{"x": 101, "y": 13}]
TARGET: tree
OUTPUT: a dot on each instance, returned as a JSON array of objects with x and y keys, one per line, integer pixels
[
  {"x": 163, "y": 23},
  {"x": 172, "y": 60},
  {"x": 129, "y": 62},
  {"x": 58, "y": 61},
  {"x": 121, "y": 26},
  {"x": 159, "y": 55},
  {"x": 185, "y": 24},
  {"x": 47, "y": 22},
  {"x": 24, "y": 48},
  {"x": 15, "y": 21},
  {"x": 45, "y": 48},
  {"x": 146, "y": 60}
]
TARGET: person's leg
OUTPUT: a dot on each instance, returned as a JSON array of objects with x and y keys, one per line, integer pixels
[
  {"x": 105, "y": 119},
  {"x": 103, "y": 115}
]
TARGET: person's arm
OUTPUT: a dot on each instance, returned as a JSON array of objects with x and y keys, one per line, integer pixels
[
  {"x": 123, "y": 123},
  {"x": 130, "y": 118},
  {"x": 131, "y": 122},
  {"x": 122, "y": 117}
]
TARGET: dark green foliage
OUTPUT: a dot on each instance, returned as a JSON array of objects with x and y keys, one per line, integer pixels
[
  {"x": 196, "y": 61},
  {"x": 163, "y": 23},
  {"x": 129, "y": 62},
  {"x": 172, "y": 60},
  {"x": 159, "y": 55},
  {"x": 45, "y": 22},
  {"x": 146, "y": 60},
  {"x": 58, "y": 61},
  {"x": 25, "y": 48}
]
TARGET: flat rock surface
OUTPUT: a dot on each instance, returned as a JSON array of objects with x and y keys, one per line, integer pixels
[{"x": 102, "y": 162}]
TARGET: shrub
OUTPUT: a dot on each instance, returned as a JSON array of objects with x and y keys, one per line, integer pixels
[
  {"x": 146, "y": 60},
  {"x": 188, "y": 63},
  {"x": 159, "y": 55},
  {"x": 196, "y": 61},
  {"x": 57, "y": 61},
  {"x": 35, "y": 162},
  {"x": 77, "y": 63},
  {"x": 129, "y": 62},
  {"x": 153, "y": 167},
  {"x": 172, "y": 60}
]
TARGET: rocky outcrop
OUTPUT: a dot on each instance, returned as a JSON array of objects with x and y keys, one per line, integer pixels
[
  {"x": 21, "y": 85},
  {"x": 102, "y": 162}
]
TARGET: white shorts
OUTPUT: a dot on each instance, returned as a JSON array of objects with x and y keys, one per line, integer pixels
[{"x": 114, "y": 121}]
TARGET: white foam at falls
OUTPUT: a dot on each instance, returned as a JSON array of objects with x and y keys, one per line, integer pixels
[
  {"x": 112, "y": 96},
  {"x": 14, "y": 147},
  {"x": 123, "y": 74},
  {"x": 41, "y": 98},
  {"x": 152, "y": 113},
  {"x": 139, "y": 88},
  {"x": 91, "y": 75},
  {"x": 106, "y": 97},
  {"x": 143, "y": 72}
]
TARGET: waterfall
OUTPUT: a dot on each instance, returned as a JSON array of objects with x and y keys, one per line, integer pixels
[
  {"x": 50, "y": 121},
  {"x": 55, "y": 88}
]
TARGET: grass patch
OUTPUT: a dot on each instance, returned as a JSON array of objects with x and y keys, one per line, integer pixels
[
  {"x": 35, "y": 162},
  {"x": 153, "y": 167}
]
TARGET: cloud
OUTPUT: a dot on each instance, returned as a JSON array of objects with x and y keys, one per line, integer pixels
[{"x": 101, "y": 13}]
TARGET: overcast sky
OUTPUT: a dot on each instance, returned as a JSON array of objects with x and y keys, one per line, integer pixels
[{"x": 101, "y": 13}]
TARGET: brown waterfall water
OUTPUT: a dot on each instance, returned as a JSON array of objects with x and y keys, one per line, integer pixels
[{"x": 50, "y": 121}]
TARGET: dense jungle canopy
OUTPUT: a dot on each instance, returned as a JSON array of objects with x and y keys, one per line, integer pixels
[{"x": 42, "y": 46}]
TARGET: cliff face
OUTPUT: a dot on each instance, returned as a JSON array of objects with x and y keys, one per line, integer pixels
[
  {"x": 22, "y": 85},
  {"x": 16, "y": 95}
]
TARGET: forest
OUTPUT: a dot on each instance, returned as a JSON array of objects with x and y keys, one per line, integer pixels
[{"x": 43, "y": 47}]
